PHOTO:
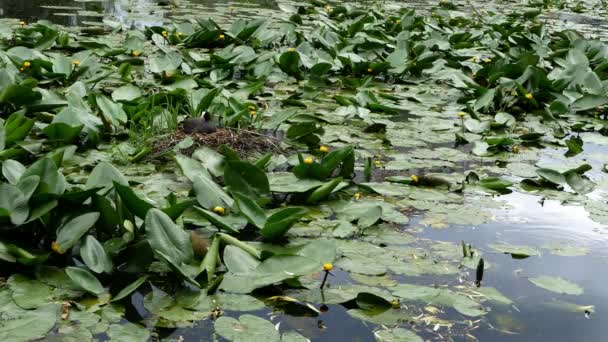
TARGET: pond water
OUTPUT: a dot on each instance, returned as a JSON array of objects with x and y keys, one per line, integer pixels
[{"x": 514, "y": 219}]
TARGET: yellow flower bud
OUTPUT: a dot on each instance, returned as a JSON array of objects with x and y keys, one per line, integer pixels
[
  {"x": 328, "y": 266},
  {"x": 414, "y": 178},
  {"x": 165, "y": 34},
  {"x": 76, "y": 62},
  {"x": 398, "y": 21},
  {"x": 21, "y": 69},
  {"x": 219, "y": 210},
  {"x": 253, "y": 113},
  {"x": 56, "y": 248},
  {"x": 323, "y": 149},
  {"x": 221, "y": 37},
  {"x": 370, "y": 70},
  {"x": 487, "y": 60},
  {"x": 377, "y": 163},
  {"x": 291, "y": 49},
  {"x": 308, "y": 160},
  {"x": 27, "y": 64},
  {"x": 358, "y": 195},
  {"x": 22, "y": 23},
  {"x": 462, "y": 114},
  {"x": 135, "y": 53},
  {"x": 529, "y": 96}
]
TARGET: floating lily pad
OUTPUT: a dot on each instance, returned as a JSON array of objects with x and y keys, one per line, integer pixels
[{"x": 557, "y": 285}]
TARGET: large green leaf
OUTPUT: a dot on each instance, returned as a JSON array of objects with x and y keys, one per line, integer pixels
[
  {"x": 166, "y": 237},
  {"x": 247, "y": 328},
  {"x": 129, "y": 198},
  {"x": 246, "y": 178},
  {"x": 209, "y": 194},
  {"x": 85, "y": 280},
  {"x": 104, "y": 175},
  {"x": 13, "y": 204},
  {"x": 94, "y": 256},
  {"x": 557, "y": 285},
  {"x": 130, "y": 288},
  {"x": 281, "y": 221},
  {"x": 69, "y": 234},
  {"x": 250, "y": 209},
  {"x": 112, "y": 112}
]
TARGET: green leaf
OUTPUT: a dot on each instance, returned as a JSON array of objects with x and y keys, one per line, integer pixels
[
  {"x": 69, "y": 234},
  {"x": 281, "y": 221},
  {"x": 130, "y": 288},
  {"x": 219, "y": 221},
  {"x": 63, "y": 133},
  {"x": 136, "y": 205},
  {"x": 95, "y": 257},
  {"x": 13, "y": 204},
  {"x": 209, "y": 194},
  {"x": 323, "y": 191},
  {"x": 12, "y": 171},
  {"x": 250, "y": 209},
  {"x": 128, "y": 332},
  {"x": 397, "y": 334},
  {"x": 127, "y": 92},
  {"x": 246, "y": 178},
  {"x": 25, "y": 325},
  {"x": 588, "y": 102},
  {"x": 247, "y": 328},
  {"x": 104, "y": 175},
  {"x": 557, "y": 285},
  {"x": 579, "y": 183},
  {"x": 494, "y": 183},
  {"x": 166, "y": 237},
  {"x": 112, "y": 112},
  {"x": 289, "y": 62},
  {"x": 575, "y": 146},
  {"x": 551, "y": 176},
  {"x": 485, "y": 100},
  {"x": 515, "y": 251},
  {"x": 85, "y": 280},
  {"x": 238, "y": 261},
  {"x": 51, "y": 180},
  {"x": 176, "y": 267}
]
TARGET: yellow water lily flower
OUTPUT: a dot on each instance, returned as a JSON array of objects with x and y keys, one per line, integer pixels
[
  {"x": 27, "y": 64},
  {"x": 22, "y": 23},
  {"x": 135, "y": 53},
  {"x": 414, "y": 178},
  {"x": 253, "y": 113},
  {"x": 358, "y": 195},
  {"x": 308, "y": 160},
  {"x": 462, "y": 114},
  {"x": 398, "y": 21},
  {"x": 487, "y": 60},
  {"x": 328, "y": 266},
  {"x": 221, "y": 37},
  {"x": 377, "y": 163},
  {"x": 370, "y": 70},
  {"x": 529, "y": 96},
  {"x": 219, "y": 210},
  {"x": 323, "y": 149},
  {"x": 165, "y": 34},
  {"x": 76, "y": 62}
]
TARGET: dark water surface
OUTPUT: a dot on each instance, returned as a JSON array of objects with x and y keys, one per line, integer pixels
[{"x": 528, "y": 222}]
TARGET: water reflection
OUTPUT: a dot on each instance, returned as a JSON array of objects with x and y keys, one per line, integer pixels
[{"x": 131, "y": 13}]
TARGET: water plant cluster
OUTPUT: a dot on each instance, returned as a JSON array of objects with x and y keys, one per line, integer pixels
[{"x": 376, "y": 114}]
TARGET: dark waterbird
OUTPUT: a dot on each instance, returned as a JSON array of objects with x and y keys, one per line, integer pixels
[{"x": 199, "y": 125}]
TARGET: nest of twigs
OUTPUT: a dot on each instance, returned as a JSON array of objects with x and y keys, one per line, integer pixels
[{"x": 246, "y": 143}]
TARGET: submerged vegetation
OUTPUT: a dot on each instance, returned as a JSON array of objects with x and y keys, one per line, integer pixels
[{"x": 329, "y": 129}]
